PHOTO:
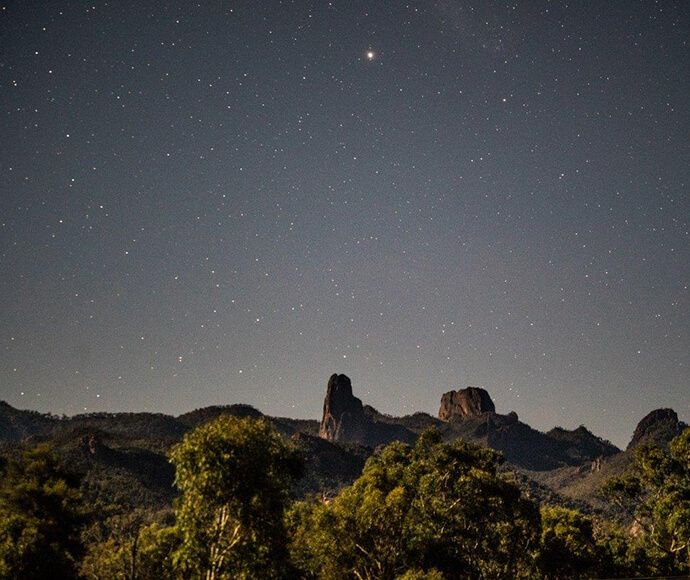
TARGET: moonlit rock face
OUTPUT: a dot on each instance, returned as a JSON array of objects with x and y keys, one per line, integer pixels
[
  {"x": 469, "y": 402},
  {"x": 342, "y": 411},
  {"x": 657, "y": 427},
  {"x": 346, "y": 420}
]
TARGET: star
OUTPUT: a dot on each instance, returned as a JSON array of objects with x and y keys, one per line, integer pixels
[{"x": 442, "y": 182}]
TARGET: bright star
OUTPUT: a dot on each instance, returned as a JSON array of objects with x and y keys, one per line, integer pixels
[{"x": 371, "y": 55}]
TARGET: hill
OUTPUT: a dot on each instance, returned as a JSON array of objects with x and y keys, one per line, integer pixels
[{"x": 123, "y": 456}]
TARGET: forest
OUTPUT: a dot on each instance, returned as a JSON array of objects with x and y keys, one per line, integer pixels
[{"x": 429, "y": 510}]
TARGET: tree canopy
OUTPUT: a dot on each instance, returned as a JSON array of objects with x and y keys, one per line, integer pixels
[
  {"x": 40, "y": 514},
  {"x": 425, "y": 512},
  {"x": 431, "y": 510},
  {"x": 656, "y": 494},
  {"x": 235, "y": 476}
]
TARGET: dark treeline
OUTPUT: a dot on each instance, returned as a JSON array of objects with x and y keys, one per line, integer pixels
[{"x": 434, "y": 510}]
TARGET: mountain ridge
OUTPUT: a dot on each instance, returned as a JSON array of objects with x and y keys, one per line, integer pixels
[{"x": 129, "y": 450}]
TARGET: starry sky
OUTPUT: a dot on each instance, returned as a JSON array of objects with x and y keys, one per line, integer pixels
[{"x": 228, "y": 201}]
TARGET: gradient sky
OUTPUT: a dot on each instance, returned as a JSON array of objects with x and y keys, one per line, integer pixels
[{"x": 226, "y": 202}]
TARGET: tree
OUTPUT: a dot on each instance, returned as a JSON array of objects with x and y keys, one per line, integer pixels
[
  {"x": 568, "y": 546},
  {"x": 130, "y": 546},
  {"x": 235, "y": 476},
  {"x": 157, "y": 545},
  {"x": 656, "y": 495},
  {"x": 40, "y": 516},
  {"x": 432, "y": 510}
]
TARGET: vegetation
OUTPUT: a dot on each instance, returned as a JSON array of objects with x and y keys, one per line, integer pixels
[
  {"x": 40, "y": 516},
  {"x": 127, "y": 547},
  {"x": 235, "y": 477},
  {"x": 436, "y": 508},
  {"x": 430, "y": 511},
  {"x": 657, "y": 497}
]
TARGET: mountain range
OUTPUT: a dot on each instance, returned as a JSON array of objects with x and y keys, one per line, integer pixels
[{"x": 123, "y": 456}]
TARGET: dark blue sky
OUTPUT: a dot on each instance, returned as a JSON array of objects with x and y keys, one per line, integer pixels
[{"x": 229, "y": 201}]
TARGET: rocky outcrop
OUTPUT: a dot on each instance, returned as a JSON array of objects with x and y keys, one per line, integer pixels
[
  {"x": 657, "y": 428},
  {"x": 347, "y": 420},
  {"x": 471, "y": 414},
  {"x": 91, "y": 444},
  {"x": 469, "y": 402},
  {"x": 343, "y": 413}
]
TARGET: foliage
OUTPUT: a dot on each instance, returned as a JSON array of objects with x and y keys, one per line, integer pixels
[
  {"x": 416, "y": 574},
  {"x": 423, "y": 512},
  {"x": 568, "y": 545},
  {"x": 40, "y": 516},
  {"x": 235, "y": 476},
  {"x": 436, "y": 509},
  {"x": 130, "y": 547},
  {"x": 618, "y": 557},
  {"x": 657, "y": 496}
]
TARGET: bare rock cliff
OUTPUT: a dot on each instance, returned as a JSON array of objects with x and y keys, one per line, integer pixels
[
  {"x": 347, "y": 420},
  {"x": 343, "y": 413},
  {"x": 469, "y": 402},
  {"x": 657, "y": 428}
]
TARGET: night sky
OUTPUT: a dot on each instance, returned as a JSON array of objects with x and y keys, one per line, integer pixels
[{"x": 227, "y": 202}]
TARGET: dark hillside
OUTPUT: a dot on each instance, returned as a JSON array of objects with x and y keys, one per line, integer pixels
[
  {"x": 124, "y": 455},
  {"x": 584, "y": 482}
]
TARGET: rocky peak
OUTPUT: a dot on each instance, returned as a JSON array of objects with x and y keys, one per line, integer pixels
[
  {"x": 469, "y": 402},
  {"x": 347, "y": 420},
  {"x": 658, "y": 427},
  {"x": 342, "y": 411}
]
